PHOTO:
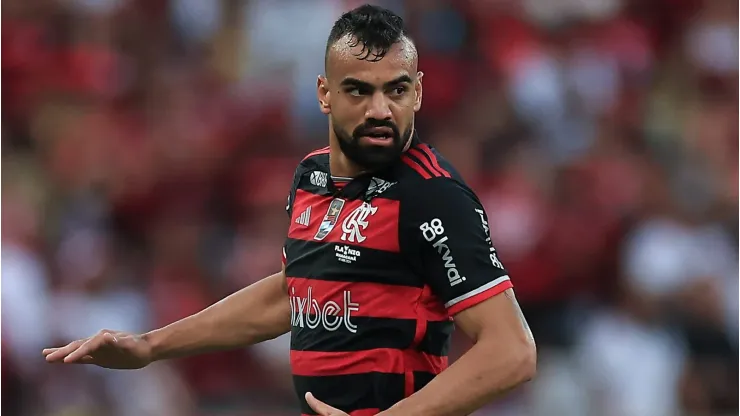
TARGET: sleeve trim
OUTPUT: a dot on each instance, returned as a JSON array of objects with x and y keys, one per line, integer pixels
[
  {"x": 285, "y": 258},
  {"x": 477, "y": 291}
]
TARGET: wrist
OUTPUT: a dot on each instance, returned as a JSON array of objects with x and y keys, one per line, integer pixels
[
  {"x": 403, "y": 408},
  {"x": 155, "y": 340}
]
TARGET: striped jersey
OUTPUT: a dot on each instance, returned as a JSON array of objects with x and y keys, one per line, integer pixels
[{"x": 377, "y": 266}]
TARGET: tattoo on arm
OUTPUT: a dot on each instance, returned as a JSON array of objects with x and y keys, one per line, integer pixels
[{"x": 510, "y": 295}]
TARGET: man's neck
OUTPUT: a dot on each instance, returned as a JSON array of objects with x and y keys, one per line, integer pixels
[{"x": 340, "y": 165}]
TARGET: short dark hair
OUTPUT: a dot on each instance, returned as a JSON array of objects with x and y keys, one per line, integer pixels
[{"x": 376, "y": 28}]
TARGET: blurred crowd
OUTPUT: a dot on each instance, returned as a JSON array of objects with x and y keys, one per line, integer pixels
[{"x": 148, "y": 147}]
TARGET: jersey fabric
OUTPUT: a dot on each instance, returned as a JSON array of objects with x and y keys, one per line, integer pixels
[{"x": 376, "y": 268}]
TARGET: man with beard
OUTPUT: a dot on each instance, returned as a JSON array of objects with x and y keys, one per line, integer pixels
[{"x": 386, "y": 246}]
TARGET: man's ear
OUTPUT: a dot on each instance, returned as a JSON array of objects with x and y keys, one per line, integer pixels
[
  {"x": 418, "y": 91},
  {"x": 323, "y": 94}
]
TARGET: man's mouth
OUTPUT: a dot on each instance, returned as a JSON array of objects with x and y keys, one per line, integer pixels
[{"x": 378, "y": 134}]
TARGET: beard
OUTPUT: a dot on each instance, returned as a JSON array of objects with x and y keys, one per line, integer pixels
[{"x": 370, "y": 156}]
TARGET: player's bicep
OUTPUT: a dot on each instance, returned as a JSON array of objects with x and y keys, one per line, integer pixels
[
  {"x": 497, "y": 318},
  {"x": 453, "y": 250}
]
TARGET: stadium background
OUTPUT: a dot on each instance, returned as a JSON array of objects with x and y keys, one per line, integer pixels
[{"x": 148, "y": 147}]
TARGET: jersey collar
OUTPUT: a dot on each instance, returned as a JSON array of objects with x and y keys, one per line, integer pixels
[{"x": 357, "y": 187}]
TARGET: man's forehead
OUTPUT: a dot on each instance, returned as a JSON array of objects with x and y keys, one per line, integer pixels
[{"x": 342, "y": 61}]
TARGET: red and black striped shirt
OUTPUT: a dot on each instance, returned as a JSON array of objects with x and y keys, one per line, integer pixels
[{"x": 376, "y": 268}]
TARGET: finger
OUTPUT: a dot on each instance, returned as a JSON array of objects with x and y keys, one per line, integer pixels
[
  {"x": 322, "y": 408},
  {"x": 85, "y": 349},
  {"x": 88, "y": 359},
  {"x": 68, "y": 348},
  {"x": 55, "y": 354},
  {"x": 90, "y": 346}
]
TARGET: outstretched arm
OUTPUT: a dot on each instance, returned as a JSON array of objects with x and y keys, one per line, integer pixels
[{"x": 256, "y": 313}]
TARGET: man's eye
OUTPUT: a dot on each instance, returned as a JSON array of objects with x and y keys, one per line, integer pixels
[
  {"x": 399, "y": 90},
  {"x": 357, "y": 92}
]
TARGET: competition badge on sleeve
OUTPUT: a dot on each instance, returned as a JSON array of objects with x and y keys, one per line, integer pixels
[{"x": 330, "y": 219}]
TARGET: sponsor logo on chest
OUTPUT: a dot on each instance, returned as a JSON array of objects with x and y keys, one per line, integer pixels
[{"x": 307, "y": 312}]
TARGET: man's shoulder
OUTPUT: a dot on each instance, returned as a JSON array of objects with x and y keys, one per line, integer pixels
[
  {"x": 423, "y": 162},
  {"x": 316, "y": 160},
  {"x": 318, "y": 157},
  {"x": 425, "y": 172},
  {"x": 318, "y": 154}
]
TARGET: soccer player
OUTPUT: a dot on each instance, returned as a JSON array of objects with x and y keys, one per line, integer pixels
[{"x": 386, "y": 247}]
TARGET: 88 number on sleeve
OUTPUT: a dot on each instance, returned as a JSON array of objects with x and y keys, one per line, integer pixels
[{"x": 432, "y": 229}]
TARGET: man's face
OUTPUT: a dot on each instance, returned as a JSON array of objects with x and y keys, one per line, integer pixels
[{"x": 371, "y": 104}]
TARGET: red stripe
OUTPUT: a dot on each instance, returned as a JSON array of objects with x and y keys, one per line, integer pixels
[
  {"x": 415, "y": 166},
  {"x": 381, "y": 232},
  {"x": 317, "y": 152},
  {"x": 427, "y": 308},
  {"x": 408, "y": 384},
  {"x": 382, "y": 360},
  {"x": 421, "y": 329},
  {"x": 361, "y": 412},
  {"x": 480, "y": 297},
  {"x": 424, "y": 161},
  {"x": 375, "y": 300},
  {"x": 428, "y": 151}
]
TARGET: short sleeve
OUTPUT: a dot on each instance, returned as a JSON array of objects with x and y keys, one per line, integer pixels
[
  {"x": 289, "y": 203},
  {"x": 445, "y": 237}
]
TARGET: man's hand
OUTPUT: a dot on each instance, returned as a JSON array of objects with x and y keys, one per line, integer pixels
[
  {"x": 109, "y": 349},
  {"x": 322, "y": 408}
]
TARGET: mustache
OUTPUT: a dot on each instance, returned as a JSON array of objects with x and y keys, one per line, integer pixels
[{"x": 364, "y": 128}]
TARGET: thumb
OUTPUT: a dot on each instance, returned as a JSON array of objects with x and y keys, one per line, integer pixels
[{"x": 322, "y": 408}]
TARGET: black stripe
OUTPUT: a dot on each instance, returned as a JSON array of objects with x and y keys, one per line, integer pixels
[
  {"x": 352, "y": 392},
  {"x": 374, "y": 333},
  {"x": 421, "y": 379},
  {"x": 416, "y": 160},
  {"x": 371, "y": 333},
  {"x": 317, "y": 260},
  {"x": 436, "y": 341}
]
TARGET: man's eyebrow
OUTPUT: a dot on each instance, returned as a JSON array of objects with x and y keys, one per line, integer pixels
[
  {"x": 400, "y": 80},
  {"x": 354, "y": 82}
]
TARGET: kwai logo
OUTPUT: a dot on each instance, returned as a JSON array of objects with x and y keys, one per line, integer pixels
[
  {"x": 431, "y": 231},
  {"x": 356, "y": 222},
  {"x": 307, "y": 312}
]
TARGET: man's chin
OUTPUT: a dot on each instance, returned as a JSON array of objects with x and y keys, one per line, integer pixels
[{"x": 377, "y": 160}]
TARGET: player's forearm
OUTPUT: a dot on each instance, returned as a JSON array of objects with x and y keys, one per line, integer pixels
[
  {"x": 256, "y": 313},
  {"x": 485, "y": 372}
]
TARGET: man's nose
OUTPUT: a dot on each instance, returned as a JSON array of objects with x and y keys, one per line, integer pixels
[{"x": 378, "y": 107}]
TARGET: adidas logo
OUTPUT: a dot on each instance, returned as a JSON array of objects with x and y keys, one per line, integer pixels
[{"x": 304, "y": 218}]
